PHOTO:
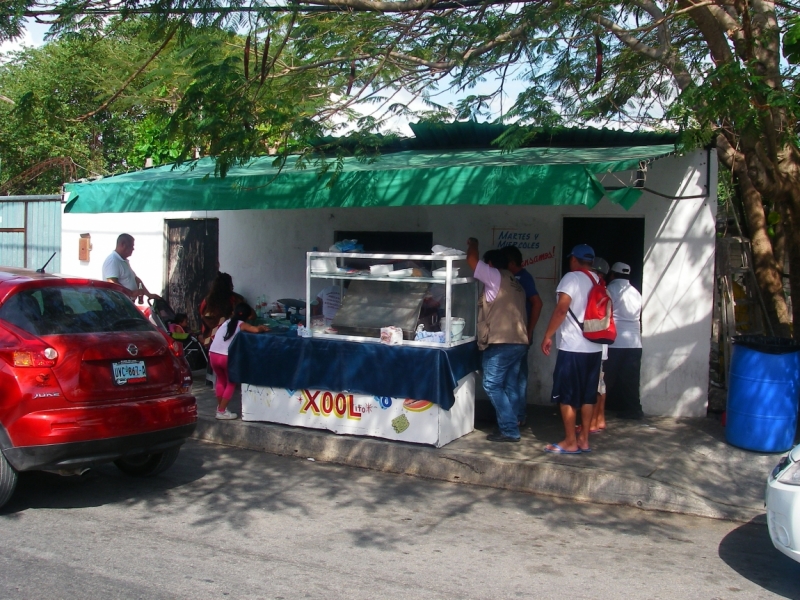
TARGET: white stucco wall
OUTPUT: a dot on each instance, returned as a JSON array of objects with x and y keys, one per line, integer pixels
[{"x": 264, "y": 251}]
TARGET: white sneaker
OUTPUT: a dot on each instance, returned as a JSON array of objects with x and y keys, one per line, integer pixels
[{"x": 226, "y": 415}]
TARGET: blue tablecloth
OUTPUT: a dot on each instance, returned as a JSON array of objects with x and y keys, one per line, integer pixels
[{"x": 365, "y": 368}]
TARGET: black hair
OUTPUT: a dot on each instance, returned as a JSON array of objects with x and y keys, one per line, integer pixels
[
  {"x": 497, "y": 258},
  {"x": 218, "y": 301},
  {"x": 241, "y": 312},
  {"x": 124, "y": 238},
  {"x": 584, "y": 263},
  {"x": 180, "y": 318},
  {"x": 513, "y": 255}
]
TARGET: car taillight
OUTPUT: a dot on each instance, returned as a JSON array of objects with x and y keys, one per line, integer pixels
[
  {"x": 35, "y": 358},
  {"x": 176, "y": 347}
]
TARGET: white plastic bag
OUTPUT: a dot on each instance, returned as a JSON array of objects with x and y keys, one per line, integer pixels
[
  {"x": 391, "y": 335},
  {"x": 428, "y": 336}
]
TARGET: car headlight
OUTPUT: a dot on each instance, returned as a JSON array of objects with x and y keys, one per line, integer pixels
[{"x": 791, "y": 475}]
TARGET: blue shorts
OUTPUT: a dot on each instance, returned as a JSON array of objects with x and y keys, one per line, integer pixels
[{"x": 575, "y": 378}]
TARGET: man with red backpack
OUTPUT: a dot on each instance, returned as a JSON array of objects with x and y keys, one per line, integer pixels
[{"x": 577, "y": 368}]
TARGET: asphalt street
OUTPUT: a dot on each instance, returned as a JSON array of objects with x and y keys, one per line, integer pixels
[{"x": 232, "y": 523}]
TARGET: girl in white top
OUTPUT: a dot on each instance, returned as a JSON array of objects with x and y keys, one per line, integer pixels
[{"x": 218, "y": 355}]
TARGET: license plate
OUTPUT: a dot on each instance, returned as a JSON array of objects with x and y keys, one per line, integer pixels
[{"x": 129, "y": 371}]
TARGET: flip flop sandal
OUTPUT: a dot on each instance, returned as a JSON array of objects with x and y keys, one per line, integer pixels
[{"x": 556, "y": 449}]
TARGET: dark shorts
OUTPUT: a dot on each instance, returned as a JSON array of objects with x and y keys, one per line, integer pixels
[{"x": 575, "y": 378}]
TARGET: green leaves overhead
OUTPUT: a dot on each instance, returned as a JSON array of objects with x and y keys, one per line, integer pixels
[
  {"x": 239, "y": 79},
  {"x": 791, "y": 41},
  {"x": 109, "y": 101}
]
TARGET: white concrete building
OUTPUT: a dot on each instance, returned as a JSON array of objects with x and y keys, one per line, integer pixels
[{"x": 264, "y": 251}]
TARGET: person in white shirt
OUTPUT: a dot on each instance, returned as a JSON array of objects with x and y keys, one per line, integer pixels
[
  {"x": 577, "y": 369},
  {"x": 625, "y": 355},
  {"x": 117, "y": 269}
]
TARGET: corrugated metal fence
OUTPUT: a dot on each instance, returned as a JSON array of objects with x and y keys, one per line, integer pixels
[{"x": 30, "y": 231}]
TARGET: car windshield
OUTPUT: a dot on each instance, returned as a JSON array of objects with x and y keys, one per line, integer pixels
[{"x": 79, "y": 309}]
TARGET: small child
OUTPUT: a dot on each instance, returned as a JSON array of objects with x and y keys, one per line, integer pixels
[
  {"x": 180, "y": 323},
  {"x": 218, "y": 355}
]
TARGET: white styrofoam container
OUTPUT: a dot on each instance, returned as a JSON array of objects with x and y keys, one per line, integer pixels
[{"x": 380, "y": 269}]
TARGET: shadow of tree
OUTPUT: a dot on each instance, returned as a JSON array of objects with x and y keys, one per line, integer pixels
[
  {"x": 313, "y": 507},
  {"x": 228, "y": 488},
  {"x": 749, "y": 551}
]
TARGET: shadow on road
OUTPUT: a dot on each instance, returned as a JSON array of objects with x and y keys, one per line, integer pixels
[
  {"x": 749, "y": 551},
  {"x": 215, "y": 488},
  {"x": 100, "y": 486}
]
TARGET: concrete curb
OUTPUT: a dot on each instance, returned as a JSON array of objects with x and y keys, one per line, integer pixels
[{"x": 545, "y": 478}]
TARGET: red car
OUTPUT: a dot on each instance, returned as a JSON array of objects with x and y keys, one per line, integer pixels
[{"x": 86, "y": 379}]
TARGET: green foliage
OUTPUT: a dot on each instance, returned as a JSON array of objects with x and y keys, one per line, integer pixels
[
  {"x": 107, "y": 100},
  {"x": 12, "y": 18},
  {"x": 791, "y": 41},
  {"x": 42, "y": 124},
  {"x": 308, "y": 71},
  {"x": 152, "y": 142}
]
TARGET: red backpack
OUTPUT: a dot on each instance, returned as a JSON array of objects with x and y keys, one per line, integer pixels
[{"x": 598, "y": 321}]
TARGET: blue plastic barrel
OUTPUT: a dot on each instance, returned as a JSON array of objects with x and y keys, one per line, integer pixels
[{"x": 763, "y": 393}]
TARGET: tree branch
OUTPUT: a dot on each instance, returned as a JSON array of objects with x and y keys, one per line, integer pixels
[
  {"x": 663, "y": 55},
  {"x": 133, "y": 76},
  {"x": 310, "y": 6}
]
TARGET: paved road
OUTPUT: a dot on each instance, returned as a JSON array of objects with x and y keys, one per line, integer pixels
[{"x": 230, "y": 523}]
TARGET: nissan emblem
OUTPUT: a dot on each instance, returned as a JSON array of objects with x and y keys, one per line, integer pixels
[{"x": 133, "y": 350}]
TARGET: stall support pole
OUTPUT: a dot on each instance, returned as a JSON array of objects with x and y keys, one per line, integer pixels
[{"x": 308, "y": 291}]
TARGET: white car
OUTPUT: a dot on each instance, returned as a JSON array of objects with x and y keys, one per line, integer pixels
[{"x": 783, "y": 504}]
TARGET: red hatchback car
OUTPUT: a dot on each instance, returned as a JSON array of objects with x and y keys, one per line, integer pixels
[{"x": 86, "y": 379}]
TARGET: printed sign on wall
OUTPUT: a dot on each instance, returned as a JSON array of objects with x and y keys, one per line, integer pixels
[{"x": 538, "y": 250}]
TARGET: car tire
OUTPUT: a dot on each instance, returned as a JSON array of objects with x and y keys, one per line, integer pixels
[
  {"x": 8, "y": 480},
  {"x": 147, "y": 465}
]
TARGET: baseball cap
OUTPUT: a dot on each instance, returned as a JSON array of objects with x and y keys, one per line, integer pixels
[
  {"x": 599, "y": 265},
  {"x": 620, "y": 267},
  {"x": 582, "y": 252}
]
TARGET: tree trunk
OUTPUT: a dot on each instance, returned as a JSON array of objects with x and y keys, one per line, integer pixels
[
  {"x": 790, "y": 204},
  {"x": 793, "y": 239},
  {"x": 767, "y": 271}
]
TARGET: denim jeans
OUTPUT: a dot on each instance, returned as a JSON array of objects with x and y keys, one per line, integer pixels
[
  {"x": 501, "y": 365},
  {"x": 522, "y": 404}
]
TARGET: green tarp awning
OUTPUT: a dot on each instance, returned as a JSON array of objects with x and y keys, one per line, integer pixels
[{"x": 527, "y": 176}]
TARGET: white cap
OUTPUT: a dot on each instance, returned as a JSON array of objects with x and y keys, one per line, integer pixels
[{"x": 620, "y": 267}]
